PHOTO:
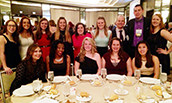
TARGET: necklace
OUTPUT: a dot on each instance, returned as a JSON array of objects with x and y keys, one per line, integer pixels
[{"x": 58, "y": 60}]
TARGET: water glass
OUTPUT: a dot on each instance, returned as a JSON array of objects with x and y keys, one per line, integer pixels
[
  {"x": 163, "y": 77},
  {"x": 50, "y": 75},
  {"x": 36, "y": 85},
  {"x": 137, "y": 74},
  {"x": 103, "y": 73},
  {"x": 79, "y": 74}
]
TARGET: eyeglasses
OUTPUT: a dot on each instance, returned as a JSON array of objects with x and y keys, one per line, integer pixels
[{"x": 12, "y": 25}]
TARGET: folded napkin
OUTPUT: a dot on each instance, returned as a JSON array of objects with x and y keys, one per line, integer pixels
[{"x": 45, "y": 100}]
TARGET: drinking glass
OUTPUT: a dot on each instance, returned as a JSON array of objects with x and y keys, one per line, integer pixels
[
  {"x": 137, "y": 74},
  {"x": 50, "y": 75},
  {"x": 103, "y": 74},
  {"x": 163, "y": 78},
  {"x": 36, "y": 85},
  {"x": 66, "y": 90},
  {"x": 79, "y": 74}
]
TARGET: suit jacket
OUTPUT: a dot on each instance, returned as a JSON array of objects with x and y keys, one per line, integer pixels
[
  {"x": 124, "y": 42},
  {"x": 146, "y": 29}
]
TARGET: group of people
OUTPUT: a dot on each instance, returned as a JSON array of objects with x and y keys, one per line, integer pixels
[{"x": 139, "y": 45}]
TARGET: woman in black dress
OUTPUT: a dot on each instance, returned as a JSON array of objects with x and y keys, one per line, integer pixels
[{"x": 158, "y": 41}]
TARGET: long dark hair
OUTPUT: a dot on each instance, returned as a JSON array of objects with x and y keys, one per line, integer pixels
[
  {"x": 29, "y": 61},
  {"x": 54, "y": 48},
  {"x": 138, "y": 61},
  {"x": 15, "y": 34},
  {"x": 39, "y": 31},
  {"x": 21, "y": 29},
  {"x": 121, "y": 53},
  {"x": 76, "y": 32}
]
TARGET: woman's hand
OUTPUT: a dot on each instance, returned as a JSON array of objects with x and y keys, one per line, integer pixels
[
  {"x": 162, "y": 51},
  {"x": 8, "y": 70}
]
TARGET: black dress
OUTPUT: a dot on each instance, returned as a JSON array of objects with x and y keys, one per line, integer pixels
[
  {"x": 59, "y": 69},
  {"x": 88, "y": 66},
  {"x": 12, "y": 53},
  {"x": 157, "y": 41}
]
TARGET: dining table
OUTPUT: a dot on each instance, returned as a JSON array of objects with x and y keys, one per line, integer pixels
[{"x": 96, "y": 92}]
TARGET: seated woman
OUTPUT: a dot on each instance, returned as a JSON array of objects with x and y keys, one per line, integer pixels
[
  {"x": 88, "y": 59},
  {"x": 58, "y": 61},
  {"x": 31, "y": 68},
  {"x": 116, "y": 61},
  {"x": 143, "y": 60}
]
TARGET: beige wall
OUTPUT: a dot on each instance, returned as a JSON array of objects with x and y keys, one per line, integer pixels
[
  {"x": 91, "y": 17},
  {"x": 70, "y": 15}
]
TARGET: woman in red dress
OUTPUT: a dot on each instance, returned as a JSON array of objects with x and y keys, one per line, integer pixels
[{"x": 42, "y": 37}]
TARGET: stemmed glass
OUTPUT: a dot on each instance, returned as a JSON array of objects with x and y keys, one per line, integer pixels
[
  {"x": 66, "y": 90},
  {"x": 50, "y": 76},
  {"x": 163, "y": 78},
  {"x": 79, "y": 74},
  {"x": 103, "y": 74},
  {"x": 36, "y": 85}
]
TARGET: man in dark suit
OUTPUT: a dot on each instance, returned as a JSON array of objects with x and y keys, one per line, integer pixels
[
  {"x": 138, "y": 29},
  {"x": 120, "y": 32}
]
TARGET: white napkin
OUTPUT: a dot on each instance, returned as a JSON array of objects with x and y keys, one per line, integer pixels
[
  {"x": 45, "y": 100},
  {"x": 24, "y": 90},
  {"x": 166, "y": 101}
]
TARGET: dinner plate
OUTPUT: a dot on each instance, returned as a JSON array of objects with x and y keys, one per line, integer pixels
[
  {"x": 166, "y": 101},
  {"x": 114, "y": 77},
  {"x": 89, "y": 77},
  {"x": 115, "y": 101},
  {"x": 83, "y": 99},
  {"x": 24, "y": 90},
  {"x": 121, "y": 93},
  {"x": 148, "y": 80},
  {"x": 59, "y": 79}
]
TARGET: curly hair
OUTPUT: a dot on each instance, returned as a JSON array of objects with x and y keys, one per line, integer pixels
[
  {"x": 54, "y": 48},
  {"x": 15, "y": 34},
  {"x": 21, "y": 29},
  {"x": 57, "y": 33},
  {"x": 29, "y": 60},
  {"x": 82, "y": 50},
  {"x": 149, "y": 60},
  {"x": 97, "y": 28},
  {"x": 39, "y": 31}
]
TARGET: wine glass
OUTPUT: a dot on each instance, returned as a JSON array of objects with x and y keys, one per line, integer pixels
[
  {"x": 66, "y": 90},
  {"x": 163, "y": 78},
  {"x": 103, "y": 74},
  {"x": 79, "y": 74},
  {"x": 36, "y": 85},
  {"x": 50, "y": 76}
]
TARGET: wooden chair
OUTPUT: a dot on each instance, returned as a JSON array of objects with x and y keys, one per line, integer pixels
[{"x": 6, "y": 81}]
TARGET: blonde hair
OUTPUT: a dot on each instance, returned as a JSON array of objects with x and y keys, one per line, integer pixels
[
  {"x": 97, "y": 28},
  {"x": 57, "y": 33},
  {"x": 161, "y": 23},
  {"x": 82, "y": 50}
]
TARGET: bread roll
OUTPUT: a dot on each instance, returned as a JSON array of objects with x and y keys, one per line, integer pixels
[
  {"x": 71, "y": 82},
  {"x": 53, "y": 86},
  {"x": 156, "y": 87},
  {"x": 84, "y": 94},
  {"x": 54, "y": 91},
  {"x": 159, "y": 92},
  {"x": 97, "y": 82},
  {"x": 127, "y": 82},
  {"x": 113, "y": 97}
]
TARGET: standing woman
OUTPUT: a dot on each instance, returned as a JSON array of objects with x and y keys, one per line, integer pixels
[
  {"x": 25, "y": 36},
  {"x": 62, "y": 33},
  {"x": 58, "y": 61},
  {"x": 31, "y": 68},
  {"x": 42, "y": 37},
  {"x": 148, "y": 64},
  {"x": 78, "y": 37},
  {"x": 158, "y": 41},
  {"x": 9, "y": 47},
  {"x": 102, "y": 36},
  {"x": 116, "y": 61},
  {"x": 88, "y": 59}
]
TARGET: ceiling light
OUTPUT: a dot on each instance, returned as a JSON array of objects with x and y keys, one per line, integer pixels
[{"x": 21, "y": 12}]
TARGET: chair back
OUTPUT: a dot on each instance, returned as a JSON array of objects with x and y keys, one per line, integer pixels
[{"x": 6, "y": 81}]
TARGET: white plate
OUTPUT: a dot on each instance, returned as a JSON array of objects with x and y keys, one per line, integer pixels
[
  {"x": 165, "y": 94},
  {"x": 83, "y": 99},
  {"x": 24, "y": 90},
  {"x": 89, "y": 77},
  {"x": 166, "y": 101},
  {"x": 148, "y": 80},
  {"x": 92, "y": 83},
  {"x": 115, "y": 77},
  {"x": 59, "y": 79},
  {"x": 115, "y": 101},
  {"x": 124, "y": 93},
  {"x": 53, "y": 96}
]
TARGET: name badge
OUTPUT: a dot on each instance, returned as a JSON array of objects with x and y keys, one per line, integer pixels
[{"x": 138, "y": 32}]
